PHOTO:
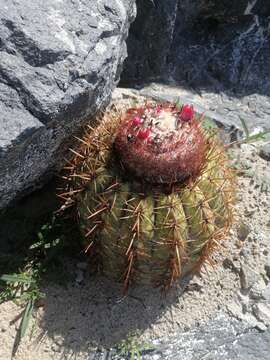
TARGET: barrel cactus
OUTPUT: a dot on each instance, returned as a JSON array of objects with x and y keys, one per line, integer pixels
[{"x": 153, "y": 193}]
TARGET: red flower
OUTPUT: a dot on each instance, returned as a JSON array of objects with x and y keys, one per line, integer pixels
[
  {"x": 187, "y": 113},
  {"x": 143, "y": 134},
  {"x": 137, "y": 121}
]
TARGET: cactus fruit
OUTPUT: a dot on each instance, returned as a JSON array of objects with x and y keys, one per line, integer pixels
[{"x": 153, "y": 192}]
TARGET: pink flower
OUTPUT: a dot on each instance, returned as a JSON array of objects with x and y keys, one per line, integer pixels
[
  {"x": 158, "y": 109},
  {"x": 187, "y": 113},
  {"x": 143, "y": 134},
  {"x": 137, "y": 121}
]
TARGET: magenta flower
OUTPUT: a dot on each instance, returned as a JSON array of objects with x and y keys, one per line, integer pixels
[
  {"x": 144, "y": 134},
  {"x": 158, "y": 109},
  {"x": 187, "y": 113},
  {"x": 137, "y": 121}
]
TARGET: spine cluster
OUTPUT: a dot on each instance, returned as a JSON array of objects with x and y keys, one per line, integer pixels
[
  {"x": 144, "y": 234},
  {"x": 161, "y": 143}
]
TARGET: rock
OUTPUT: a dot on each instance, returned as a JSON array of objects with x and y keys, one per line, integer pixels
[
  {"x": 258, "y": 289},
  {"x": 244, "y": 301},
  {"x": 265, "y": 152},
  {"x": 243, "y": 231},
  {"x": 195, "y": 283},
  {"x": 59, "y": 62},
  {"x": 212, "y": 41},
  {"x": 149, "y": 40},
  {"x": 262, "y": 312},
  {"x": 3, "y": 329},
  {"x": 216, "y": 52},
  {"x": 267, "y": 268},
  {"x": 101, "y": 355},
  {"x": 248, "y": 277},
  {"x": 266, "y": 293},
  {"x": 222, "y": 338},
  {"x": 209, "y": 57},
  {"x": 241, "y": 308},
  {"x": 234, "y": 266},
  {"x": 235, "y": 308}
]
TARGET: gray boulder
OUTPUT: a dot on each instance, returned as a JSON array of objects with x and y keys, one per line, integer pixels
[
  {"x": 221, "y": 338},
  {"x": 223, "y": 45},
  {"x": 201, "y": 43},
  {"x": 59, "y": 63},
  {"x": 218, "y": 50},
  {"x": 149, "y": 41}
]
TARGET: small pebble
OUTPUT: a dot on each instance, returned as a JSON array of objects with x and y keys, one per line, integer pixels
[
  {"x": 262, "y": 312},
  {"x": 266, "y": 293},
  {"x": 264, "y": 152},
  {"x": 248, "y": 277},
  {"x": 267, "y": 268},
  {"x": 243, "y": 231}
]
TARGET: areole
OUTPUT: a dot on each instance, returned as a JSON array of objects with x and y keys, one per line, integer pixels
[{"x": 153, "y": 192}]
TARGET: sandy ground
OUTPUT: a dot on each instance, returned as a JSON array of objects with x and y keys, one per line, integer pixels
[{"x": 93, "y": 313}]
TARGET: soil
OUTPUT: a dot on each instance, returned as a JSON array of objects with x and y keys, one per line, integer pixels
[{"x": 91, "y": 312}]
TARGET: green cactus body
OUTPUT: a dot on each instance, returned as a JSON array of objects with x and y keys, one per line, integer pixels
[
  {"x": 214, "y": 183},
  {"x": 142, "y": 227}
]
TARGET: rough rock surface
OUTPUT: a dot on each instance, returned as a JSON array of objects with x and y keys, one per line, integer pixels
[
  {"x": 202, "y": 43},
  {"x": 59, "y": 62},
  {"x": 149, "y": 40},
  {"x": 222, "y": 338},
  {"x": 217, "y": 51}
]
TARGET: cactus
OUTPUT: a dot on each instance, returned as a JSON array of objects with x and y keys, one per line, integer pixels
[{"x": 153, "y": 193}]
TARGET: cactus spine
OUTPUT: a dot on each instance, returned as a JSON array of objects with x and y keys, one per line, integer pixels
[{"x": 153, "y": 192}]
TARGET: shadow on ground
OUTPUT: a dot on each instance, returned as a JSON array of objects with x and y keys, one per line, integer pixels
[
  {"x": 76, "y": 315},
  {"x": 96, "y": 313},
  {"x": 20, "y": 224}
]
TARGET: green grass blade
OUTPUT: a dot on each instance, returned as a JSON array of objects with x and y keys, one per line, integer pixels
[
  {"x": 16, "y": 278},
  {"x": 264, "y": 135},
  {"x": 178, "y": 104},
  {"x": 27, "y": 314},
  {"x": 260, "y": 136},
  {"x": 138, "y": 354},
  {"x": 26, "y": 318},
  {"x": 246, "y": 131}
]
